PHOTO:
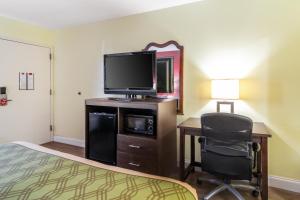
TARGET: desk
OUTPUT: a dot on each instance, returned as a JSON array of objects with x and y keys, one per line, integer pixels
[{"x": 192, "y": 127}]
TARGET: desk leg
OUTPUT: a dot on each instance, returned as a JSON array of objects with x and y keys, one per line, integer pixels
[
  {"x": 181, "y": 155},
  {"x": 192, "y": 152},
  {"x": 264, "y": 169}
]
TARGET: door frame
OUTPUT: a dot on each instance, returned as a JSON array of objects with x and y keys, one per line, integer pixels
[{"x": 51, "y": 90}]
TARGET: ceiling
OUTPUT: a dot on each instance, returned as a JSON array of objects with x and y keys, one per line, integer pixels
[{"x": 63, "y": 13}]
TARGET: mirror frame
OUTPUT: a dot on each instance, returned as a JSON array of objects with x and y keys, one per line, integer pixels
[{"x": 181, "y": 49}]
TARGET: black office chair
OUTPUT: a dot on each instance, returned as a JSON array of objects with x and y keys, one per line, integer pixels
[{"x": 227, "y": 152}]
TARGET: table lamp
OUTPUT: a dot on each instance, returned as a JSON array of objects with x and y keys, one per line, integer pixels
[{"x": 224, "y": 90}]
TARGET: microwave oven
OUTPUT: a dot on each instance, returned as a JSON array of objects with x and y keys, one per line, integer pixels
[{"x": 140, "y": 124}]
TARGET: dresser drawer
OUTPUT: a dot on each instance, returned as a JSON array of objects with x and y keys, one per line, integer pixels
[
  {"x": 147, "y": 164},
  {"x": 137, "y": 145}
]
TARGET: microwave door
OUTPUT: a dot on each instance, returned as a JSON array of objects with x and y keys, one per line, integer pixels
[{"x": 137, "y": 124}]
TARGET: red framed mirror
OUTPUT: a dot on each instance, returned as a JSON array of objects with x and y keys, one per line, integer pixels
[{"x": 169, "y": 71}]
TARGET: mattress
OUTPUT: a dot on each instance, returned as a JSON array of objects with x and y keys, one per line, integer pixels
[{"x": 29, "y": 171}]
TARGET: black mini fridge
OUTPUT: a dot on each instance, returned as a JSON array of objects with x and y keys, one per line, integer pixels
[{"x": 102, "y": 137}]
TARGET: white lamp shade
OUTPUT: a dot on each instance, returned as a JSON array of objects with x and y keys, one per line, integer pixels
[{"x": 225, "y": 89}]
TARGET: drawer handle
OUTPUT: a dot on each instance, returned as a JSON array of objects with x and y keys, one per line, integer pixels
[
  {"x": 134, "y": 146},
  {"x": 134, "y": 164}
]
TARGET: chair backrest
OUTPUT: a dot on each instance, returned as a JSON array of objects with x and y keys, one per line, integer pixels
[
  {"x": 227, "y": 126},
  {"x": 226, "y": 148}
]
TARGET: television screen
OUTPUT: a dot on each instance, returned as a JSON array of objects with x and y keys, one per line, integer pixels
[{"x": 130, "y": 73}]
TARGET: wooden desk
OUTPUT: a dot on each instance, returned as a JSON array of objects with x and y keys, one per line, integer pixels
[{"x": 192, "y": 127}]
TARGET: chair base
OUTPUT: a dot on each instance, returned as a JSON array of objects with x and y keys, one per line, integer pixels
[{"x": 223, "y": 185}]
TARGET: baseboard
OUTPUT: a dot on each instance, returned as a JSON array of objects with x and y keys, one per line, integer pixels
[
  {"x": 71, "y": 141},
  {"x": 284, "y": 183}
]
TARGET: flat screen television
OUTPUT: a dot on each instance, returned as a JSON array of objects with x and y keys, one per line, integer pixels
[{"x": 130, "y": 73}]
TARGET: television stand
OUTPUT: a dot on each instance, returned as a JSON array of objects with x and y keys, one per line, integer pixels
[
  {"x": 128, "y": 98},
  {"x": 131, "y": 96},
  {"x": 120, "y": 99},
  {"x": 154, "y": 154}
]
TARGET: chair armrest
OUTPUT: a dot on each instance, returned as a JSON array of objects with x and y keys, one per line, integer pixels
[
  {"x": 202, "y": 141},
  {"x": 249, "y": 149},
  {"x": 255, "y": 147}
]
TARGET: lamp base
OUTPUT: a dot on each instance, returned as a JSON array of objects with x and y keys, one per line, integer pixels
[{"x": 230, "y": 103}]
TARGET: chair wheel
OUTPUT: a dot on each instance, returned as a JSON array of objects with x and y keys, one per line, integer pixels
[
  {"x": 199, "y": 182},
  {"x": 255, "y": 193}
]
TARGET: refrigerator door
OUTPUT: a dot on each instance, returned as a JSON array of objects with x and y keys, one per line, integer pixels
[{"x": 102, "y": 137}]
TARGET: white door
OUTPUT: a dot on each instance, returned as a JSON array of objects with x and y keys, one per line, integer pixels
[{"x": 27, "y": 117}]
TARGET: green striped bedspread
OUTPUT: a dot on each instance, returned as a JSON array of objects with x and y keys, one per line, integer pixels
[{"x": 27, "y": 173}]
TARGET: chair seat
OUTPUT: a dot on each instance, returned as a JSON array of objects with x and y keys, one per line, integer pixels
[
  {"x": 240, "y": 149},
  {"x": 228, "y": 151}
]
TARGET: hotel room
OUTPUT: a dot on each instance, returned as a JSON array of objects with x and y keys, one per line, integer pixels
[{"x": 161, "y": 99}]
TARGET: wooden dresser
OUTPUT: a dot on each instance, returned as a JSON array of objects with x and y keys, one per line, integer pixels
[{"x": 154, "y": 154}]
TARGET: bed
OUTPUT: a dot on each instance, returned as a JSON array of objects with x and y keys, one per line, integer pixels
[{"x": 29, "y": 171}]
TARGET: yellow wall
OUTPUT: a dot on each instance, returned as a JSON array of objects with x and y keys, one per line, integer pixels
[
  {"x": 16, "y": 30},
  {"x": 256, "y": 41}
]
